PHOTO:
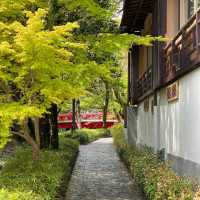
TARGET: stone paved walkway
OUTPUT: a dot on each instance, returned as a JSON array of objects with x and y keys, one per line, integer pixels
[{"x": 99, "y": 175}]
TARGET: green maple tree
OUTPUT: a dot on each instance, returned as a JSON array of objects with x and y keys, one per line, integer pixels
[{"x": 41, "y": 65}]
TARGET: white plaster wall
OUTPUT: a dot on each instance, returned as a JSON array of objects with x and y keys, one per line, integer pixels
[
  {"x": 146, "y": 125},
  {"x": 180, "y": 120},
  {"x": 174, "y": 126}
]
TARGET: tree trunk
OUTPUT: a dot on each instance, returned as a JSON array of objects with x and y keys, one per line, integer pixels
[
  {"x": 35, "y": 147},
  {"x": 54, "y": 127},
  {"x": 106, "y": 104},
  {"x": 44, "y": 124},
  {"x": 123, "y": 104},
  {"x": 119, "y": 98},
  {"x": 37, "y": 130},
  {"x": 30, "y": 140},
  {"x": 78, "y": 113},
  {"x": 31, "y": 127},
  {"x": 73, "y": 115},
  {"x": 118, "y": 116},
  {"x": 51, "y": 21},
  {"x": 34, "y": 129}
]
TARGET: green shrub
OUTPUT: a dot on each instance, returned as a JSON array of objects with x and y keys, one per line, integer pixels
[
  {"x": 85, "y": 136},
  {"x": 25, "y": 179},
  {"x": 158, "y": 181}
]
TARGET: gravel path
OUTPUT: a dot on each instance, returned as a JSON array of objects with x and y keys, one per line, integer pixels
[{"x": 100, "y": 175}]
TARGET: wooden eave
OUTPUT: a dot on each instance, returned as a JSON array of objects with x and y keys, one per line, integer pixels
[{"x": 134, "y": 14}]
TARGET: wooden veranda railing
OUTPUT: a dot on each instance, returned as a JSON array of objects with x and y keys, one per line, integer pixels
[
  {"x": 182, "y": 54},
  {"x": 144, "y": 84}
]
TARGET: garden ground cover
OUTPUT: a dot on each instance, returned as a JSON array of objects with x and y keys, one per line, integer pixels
[
  {"x": 25, "y": 179},
  {"x": 157, "y": 179}
]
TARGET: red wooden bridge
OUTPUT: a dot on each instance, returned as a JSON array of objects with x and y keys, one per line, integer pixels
[{"x": 89, "y": 120}]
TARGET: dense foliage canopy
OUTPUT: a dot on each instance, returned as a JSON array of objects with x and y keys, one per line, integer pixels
[{"x": 52, "y": 51}]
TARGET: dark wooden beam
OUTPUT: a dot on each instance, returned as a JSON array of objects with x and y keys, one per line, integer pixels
[{"x": 137, "y": 12}]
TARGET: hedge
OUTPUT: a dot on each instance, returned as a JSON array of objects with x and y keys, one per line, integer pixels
[
  {"x": 85, "y": 136},
  {"x": 25, "y": 179},
  {"x": 157, "y": 179}
]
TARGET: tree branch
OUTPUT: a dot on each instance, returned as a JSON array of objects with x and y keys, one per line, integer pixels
[{"x": 19, "y": 134}]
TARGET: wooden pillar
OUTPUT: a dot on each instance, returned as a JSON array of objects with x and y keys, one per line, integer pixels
[
  {"x": 129, "y": 78},
  {"x": 159, "y": 29},
  {"x": 73, "y": 115},
  {"x": 134, "y": 73}
]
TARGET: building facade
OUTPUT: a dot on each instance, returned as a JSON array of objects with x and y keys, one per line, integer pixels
[{"x": 164, "y": 81}]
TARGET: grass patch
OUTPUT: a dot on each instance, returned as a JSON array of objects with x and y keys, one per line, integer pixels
[
  {"x": 85, "y": 136},
  {"x": 158, "y": 181},
  {"x": 25, "y": 179}
]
